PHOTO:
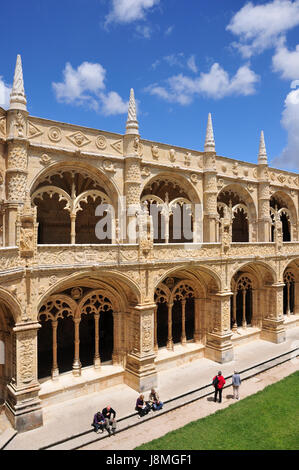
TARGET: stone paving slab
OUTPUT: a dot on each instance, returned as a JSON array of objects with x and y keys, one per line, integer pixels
[
  {"x": 147, "y": 431},
  {"x": 74, "y": 416}
]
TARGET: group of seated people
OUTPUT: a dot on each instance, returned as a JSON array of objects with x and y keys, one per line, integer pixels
[
  {"x": 105, "y": 419},
  {"x": 144, "y": 407}
]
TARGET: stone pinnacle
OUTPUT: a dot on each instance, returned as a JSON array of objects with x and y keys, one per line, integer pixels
[
  {"x": 209, "y": 142},
  {"x": 262, "y": 158},
  {"x": 17, "y": 96},
  {"x": 132, "y": 123}
]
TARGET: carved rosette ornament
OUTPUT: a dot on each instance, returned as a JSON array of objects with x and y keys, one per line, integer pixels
[
  {"x": 54, "y": 134},
  {"x": 101, "y": 142}
]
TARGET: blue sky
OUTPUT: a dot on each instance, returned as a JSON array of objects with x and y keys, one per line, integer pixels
[{"x": 238, "y": 60}]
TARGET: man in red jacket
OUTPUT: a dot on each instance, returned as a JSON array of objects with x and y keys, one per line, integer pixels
[{"x": 218, "y": 382}]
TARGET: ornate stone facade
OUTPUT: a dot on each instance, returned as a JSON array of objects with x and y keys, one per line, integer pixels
[{"x": 70, "y": 299}]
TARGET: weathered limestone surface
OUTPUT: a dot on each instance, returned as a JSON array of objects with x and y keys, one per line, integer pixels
[{"x": 236, "y": 279}]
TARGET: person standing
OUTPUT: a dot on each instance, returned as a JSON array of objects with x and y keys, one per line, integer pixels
[
  {"x": 109, "y": 416},
  {"x": 218, "y": 382},
  {"x": 236, "y": 382}
]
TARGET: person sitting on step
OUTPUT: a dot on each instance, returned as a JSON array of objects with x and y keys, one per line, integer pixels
[
  {"x": 98, "y": 422},
  {"x": 155, "y": 401},
  {"x": 109, "y": 416},
  {"x": 141, "y": 406}
]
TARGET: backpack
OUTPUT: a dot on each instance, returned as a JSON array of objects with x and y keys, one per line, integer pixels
[{"x": 215, "y": 381}]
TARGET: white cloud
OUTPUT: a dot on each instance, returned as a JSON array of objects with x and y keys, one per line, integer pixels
[
  {"x": 261, "y": 26},
  {"x": 113, "y": 104},
  {"x": 191, "y": 64},
  {"x": 5, "y": 91},
  {"x": 289, "y": 158},
  {"x": 127, "y": 11},
  {"x": 144, "y": 30},
  {"x": 215, "y": 84},
  {"x": 169, "y": 30},
  {"x": 86, "y": 87},
  {"x": 80, "y": 86},
  {"x": 286, "y": 62}
]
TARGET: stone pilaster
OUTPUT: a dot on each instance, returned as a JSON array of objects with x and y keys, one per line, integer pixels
[
  {"x": 16, "y": 172},
  {"x": 140, "y": 372},
  {"x": 273, "y": 323},
  {"x": 209, "y": 186},
  {"x": 22, "y": 406},
  {"x": 218, "y": 344},
  {"x": 264, "y": 220}
]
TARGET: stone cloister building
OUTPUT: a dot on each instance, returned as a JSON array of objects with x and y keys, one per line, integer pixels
[{"x": 81, "y": 312}]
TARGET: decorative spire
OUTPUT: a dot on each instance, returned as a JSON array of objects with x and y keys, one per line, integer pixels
[
  {"x": 209, "y": 142},
  {"x": 262, "y": 159},
  {"x": 17, "y": 96},
  {"x": 132, "y": 123}
]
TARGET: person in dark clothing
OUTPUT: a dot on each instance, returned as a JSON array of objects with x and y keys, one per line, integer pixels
[
  {"x": 141, "y": 406},
  {"x": 218, "y": 382},
  {"x": 98, "y": 422},
  {"x": 109, "y": 417}
]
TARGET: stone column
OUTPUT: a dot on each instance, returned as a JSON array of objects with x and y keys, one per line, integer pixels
[
  {"x": 210, "y": 206},
  {"x": 156, "y": 347},
  {"x": 140, "y": 372},
  {"x": 197, "y": 332},
  {"x": 55, "y": 370},
  {"x": 17, "y": 159},
  {"x": 169, "y": 338},
  {"x": 210, "y": 214},
  {"x": 264, "y": 220},
  {"x": 296, "y": 298},
  {"x": 183, "y": 337},
  {"x": 273, "y": 328},
  {"x": 77, "y": 364},
  {"x": 235, "y": 326},
  {"x": 119, "y": 334},
  {"x": 97, "y": 359},
  {"x": 16, "y": 181},
  {"x": 219, "y": 346},
  {"x": 244, "y": 323},
  {"x": 132, "y": 193},
  {"x": 22, "y": 406},
  {"x": 132, "y": 154},
  {"x": 73, "y": 228}
]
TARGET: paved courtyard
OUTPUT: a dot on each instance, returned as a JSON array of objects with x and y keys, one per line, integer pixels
[{"x": 74, "y": 416}]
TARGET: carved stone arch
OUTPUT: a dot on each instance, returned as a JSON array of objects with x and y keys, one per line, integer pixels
[
  {"x": 286, "y": 202},
  {"x": 94, "y": 194},
  {"x": 240, "y": 196},
  {"x": 247, "y": 267},
  {"x": 14, "y": 307},
  {"x": 94, "y": 173},
  {"x": 179, "y": 180},
  {"x": 162, "y": 294},
  {"x": 286, "y": 207},
  {"x": 96, "y": 301},
  {"x": 195, "y": 276},
  {"x": 244, "y": 195},
  {"x": 51, "y": 190},
  {"x": 56, "y": 306},
  {"x": 183, "y": 290},
  {"x": 151, "y": 198},
  {"x": 240, "y": 207},
  {"x": 116, "y": 282}
]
